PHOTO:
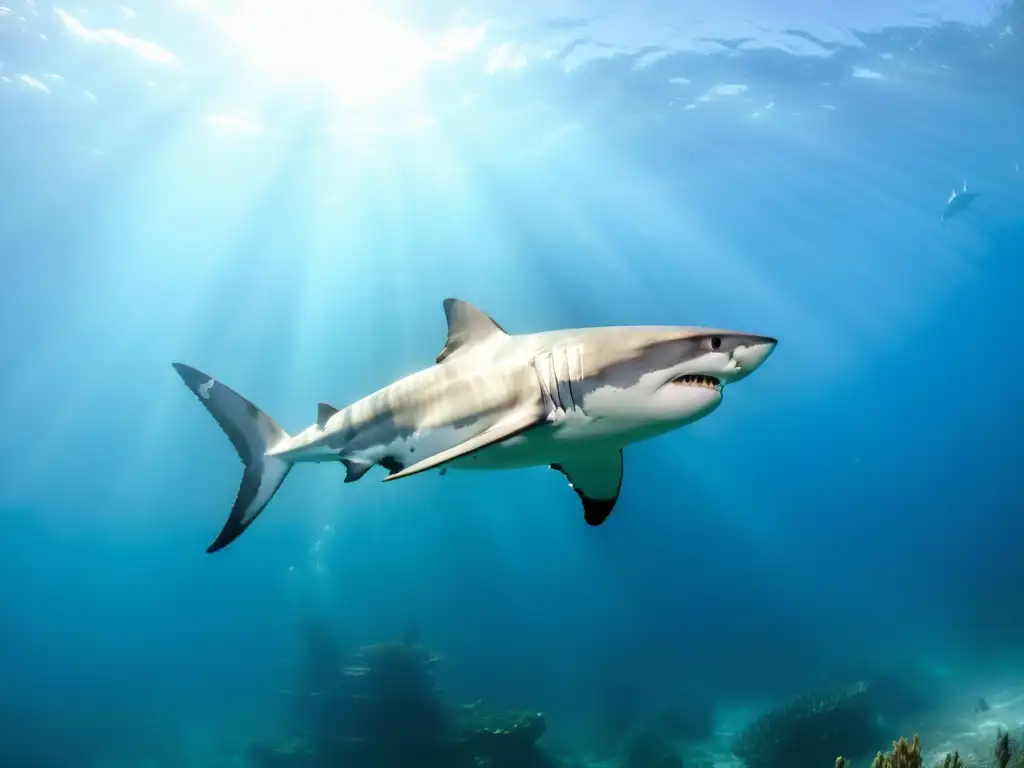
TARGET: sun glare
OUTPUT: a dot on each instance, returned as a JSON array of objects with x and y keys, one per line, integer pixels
[{"x": 360, "y": 54}]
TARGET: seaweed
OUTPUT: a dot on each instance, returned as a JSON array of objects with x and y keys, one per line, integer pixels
[{"x": 907, "y": 754}]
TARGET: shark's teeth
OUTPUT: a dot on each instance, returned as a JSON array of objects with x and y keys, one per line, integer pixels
[{"x": 699, "y": 380}]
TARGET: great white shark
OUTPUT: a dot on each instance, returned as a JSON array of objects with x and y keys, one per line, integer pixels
[{"x": 571, "y": 400}]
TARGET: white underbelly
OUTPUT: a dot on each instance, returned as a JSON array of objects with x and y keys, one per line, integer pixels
[
  {"x": 534, "y": 448},
  {"x": 559, "y": 441}
]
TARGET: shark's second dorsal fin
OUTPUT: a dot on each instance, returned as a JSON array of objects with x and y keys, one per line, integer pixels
[
  {"x": 324, "y": 411},
  {"x": 467, "y": 326}
]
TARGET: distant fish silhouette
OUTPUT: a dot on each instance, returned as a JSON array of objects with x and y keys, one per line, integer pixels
[{"x": 958, "y": 203}]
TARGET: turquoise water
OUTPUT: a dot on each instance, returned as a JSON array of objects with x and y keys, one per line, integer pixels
[{"x": 283, "y": 195}]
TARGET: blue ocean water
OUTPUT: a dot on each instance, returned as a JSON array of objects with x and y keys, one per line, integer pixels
[{"x": 283, "y": 194}]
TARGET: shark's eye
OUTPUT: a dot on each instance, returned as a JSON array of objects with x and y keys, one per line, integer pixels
[{"x": 716, "y": 342}]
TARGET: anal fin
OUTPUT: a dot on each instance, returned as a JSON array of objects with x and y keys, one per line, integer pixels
[
  {"x": 596, "y": 478},
  {"x": 510, "y": 427}
]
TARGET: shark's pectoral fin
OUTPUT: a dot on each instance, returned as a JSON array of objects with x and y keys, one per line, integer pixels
[
  {"x": 503, "y": 430},
  {"x": 596, "y": 478},
  {"x": 324, "y": 411},
  {"x": 467, "y": 325}
]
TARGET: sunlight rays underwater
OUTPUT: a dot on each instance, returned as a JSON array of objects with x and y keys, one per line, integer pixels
[
  {"x": 282, "y": 195},
  {"x": 315, "y": 246}
]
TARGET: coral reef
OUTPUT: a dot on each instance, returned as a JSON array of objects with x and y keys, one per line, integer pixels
[
  {"x": 382, "y": 708},
  {"x": 907, "y": 754},
  {"x": 811, "y": 730},
  {"x": 904, "y": 754},
  {"x": 505, "y": 740},
  {"x": 387, "y": 710}
]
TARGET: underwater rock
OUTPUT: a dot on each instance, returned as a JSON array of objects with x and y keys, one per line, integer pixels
[
  {"x": 648, "y": 749},
  {"x": 502, "y": 740},
  {"x": 503, "y": 732},
  {"x": 811, "y": 730},
  {"x": 382, "y": 708},
  {"x": 389, "y": 711},
  {"x": 376, "y": 708}
]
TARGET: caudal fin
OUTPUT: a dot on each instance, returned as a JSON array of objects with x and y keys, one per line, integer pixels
[{"x": 253, "y": 433}]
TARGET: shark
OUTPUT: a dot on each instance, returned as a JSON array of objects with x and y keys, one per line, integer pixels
[
  {"x": 571, "y": 400},
  {"x": 958, "y": 203}
]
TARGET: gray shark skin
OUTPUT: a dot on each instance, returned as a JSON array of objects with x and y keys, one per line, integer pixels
[
  {"x": 958, "y": 203},
  {"x": 571, "y": 400}
]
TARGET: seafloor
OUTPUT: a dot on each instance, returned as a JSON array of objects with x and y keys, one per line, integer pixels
[
  {"x": 382, "y": 707},
  {"x": 954, "y": 723}
]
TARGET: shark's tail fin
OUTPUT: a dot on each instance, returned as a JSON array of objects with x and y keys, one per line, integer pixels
[{"x": 253, "y": 433}]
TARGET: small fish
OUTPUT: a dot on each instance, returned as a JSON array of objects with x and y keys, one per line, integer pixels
[{"x": 958, "y": 203}]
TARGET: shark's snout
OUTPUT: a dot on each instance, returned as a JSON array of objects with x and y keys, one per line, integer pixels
[{"x": 747, "y": 358}]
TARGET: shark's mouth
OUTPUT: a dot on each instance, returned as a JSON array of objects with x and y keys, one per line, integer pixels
[{"x": 699, "y": 380}]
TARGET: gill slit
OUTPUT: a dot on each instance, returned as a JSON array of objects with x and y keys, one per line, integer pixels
[
  {"x": 542, "y": 368},
  {"x": 560, "y": 374},
  {"x": 562, "y": 377},
  {"x": 575, "y": 377},
  {"x": 556, "y": 393}
]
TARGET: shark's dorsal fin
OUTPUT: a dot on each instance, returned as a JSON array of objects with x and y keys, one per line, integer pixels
[
  {"x": 467, "y": 326},
  {"x": 324, "y": 411}
]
